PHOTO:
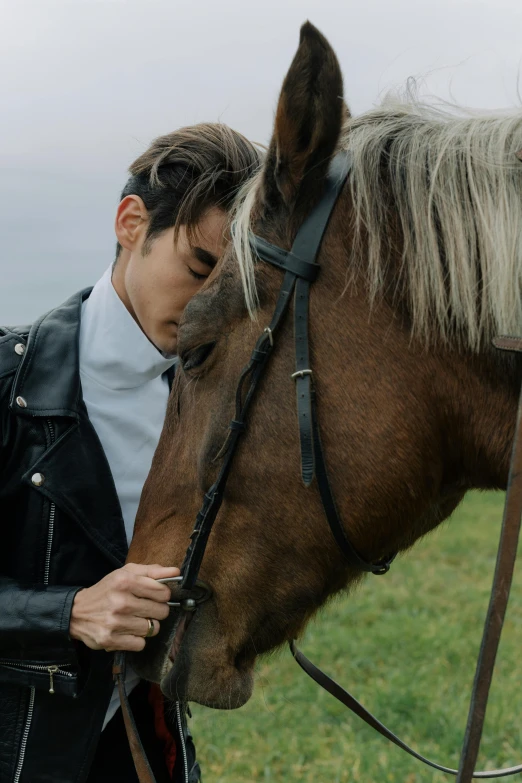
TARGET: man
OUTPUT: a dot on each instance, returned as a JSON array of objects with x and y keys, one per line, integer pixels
[{"x": 83, "y": 394}]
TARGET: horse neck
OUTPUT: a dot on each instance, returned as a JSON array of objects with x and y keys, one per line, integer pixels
[
  {"x": 473, "y": 397},
  {"x": 479, "y": 396}
]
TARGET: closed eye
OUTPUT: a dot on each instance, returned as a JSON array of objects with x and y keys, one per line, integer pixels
[
  {"x": 196, "y": 275},
  {"x": 206, "y": 259},
  {"x": 190, "y": 360}
]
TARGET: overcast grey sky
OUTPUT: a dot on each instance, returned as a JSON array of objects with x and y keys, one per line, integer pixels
[{"x": 86, "y": 84}]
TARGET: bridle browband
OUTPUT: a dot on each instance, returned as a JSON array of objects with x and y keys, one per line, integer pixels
[{"x": 300, "y": 271}]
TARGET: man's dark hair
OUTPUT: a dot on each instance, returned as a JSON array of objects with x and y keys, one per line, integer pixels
[{"x": 185, "y": 173}]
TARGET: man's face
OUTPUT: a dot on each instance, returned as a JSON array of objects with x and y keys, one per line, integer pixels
[{"x": 156, "y": 287}]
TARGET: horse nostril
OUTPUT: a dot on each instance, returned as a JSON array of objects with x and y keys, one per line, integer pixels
[{"x": 195, "y": 357}]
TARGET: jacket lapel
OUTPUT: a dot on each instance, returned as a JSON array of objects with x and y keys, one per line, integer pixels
[
  {"x": 79, "y": 481},
  {"x": 78, "y": 478}
]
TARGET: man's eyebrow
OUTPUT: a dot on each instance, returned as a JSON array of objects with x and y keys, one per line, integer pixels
[{"x": 207, "y": 258}]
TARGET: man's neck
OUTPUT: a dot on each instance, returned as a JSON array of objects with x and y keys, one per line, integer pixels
[{"x": 118, "y": 281}]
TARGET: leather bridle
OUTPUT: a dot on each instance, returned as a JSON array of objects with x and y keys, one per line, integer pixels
[{"x": 300, "y": 270}]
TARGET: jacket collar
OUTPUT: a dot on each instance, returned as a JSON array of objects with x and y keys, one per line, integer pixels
[{"x": 48, "y": 378}]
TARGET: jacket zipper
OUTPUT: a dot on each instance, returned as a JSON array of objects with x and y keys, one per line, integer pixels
[
  {"x": 52, "y": 512},
  {"x": 25, "y": 735},
  {"x": 27, "y": 727},
  {"x": 51, "y": 670},
  {"x": 182, "y": 742}
]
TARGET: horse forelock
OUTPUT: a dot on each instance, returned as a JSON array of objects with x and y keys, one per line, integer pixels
[
  {"x": 241, "y": 222},
  {"x": 452, "y": 185}
]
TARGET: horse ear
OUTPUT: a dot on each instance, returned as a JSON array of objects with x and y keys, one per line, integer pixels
[{"x": 308, "y": 121}]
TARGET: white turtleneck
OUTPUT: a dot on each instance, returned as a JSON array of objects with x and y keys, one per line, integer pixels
[{"x": 126, "y": 392}]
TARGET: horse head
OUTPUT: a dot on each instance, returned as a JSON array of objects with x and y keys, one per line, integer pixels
[{"x": 414, "y": 407}]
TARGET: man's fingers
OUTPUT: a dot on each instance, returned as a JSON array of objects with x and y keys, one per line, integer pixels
[
  {"x": 143, "y": 607},
  {"x": 145, "y": 587},
  {"x": 127, "y": 643},
  {"x": 135, "y": 626},
  {"x": 155, "y": 571},
  {"x": 141, "y": 580}
]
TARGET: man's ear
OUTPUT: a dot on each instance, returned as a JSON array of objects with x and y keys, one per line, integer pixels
[
  {"x": 130, "y": 216},
  {"x": 308, "y": 122}
]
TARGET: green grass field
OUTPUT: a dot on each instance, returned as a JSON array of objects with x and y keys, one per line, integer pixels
[{"x": 405, "y": 645}]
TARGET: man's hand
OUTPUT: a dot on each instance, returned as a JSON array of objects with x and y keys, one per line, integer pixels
[{"x": 112, "y": 614}]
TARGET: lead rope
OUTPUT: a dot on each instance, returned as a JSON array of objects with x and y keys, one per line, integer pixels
[
  {"x": 502, "y": 580},
  {"x": 141, "y": 762},
  {"x": 505, "y": 565}
]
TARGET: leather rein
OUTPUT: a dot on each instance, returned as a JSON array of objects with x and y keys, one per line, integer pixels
[{"x": 300, "y": 271}]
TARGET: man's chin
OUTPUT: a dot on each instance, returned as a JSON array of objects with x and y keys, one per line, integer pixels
[{"x": 166, "y": 340}]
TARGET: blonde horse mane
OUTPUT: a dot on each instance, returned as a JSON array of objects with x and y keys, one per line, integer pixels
[{"x": 456, "y": 185}]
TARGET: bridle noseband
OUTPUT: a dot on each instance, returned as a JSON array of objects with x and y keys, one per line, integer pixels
[{"x": 300, "y": 271}]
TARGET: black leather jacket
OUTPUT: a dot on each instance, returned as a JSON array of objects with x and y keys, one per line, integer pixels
[{"x": 61, "y": 529}]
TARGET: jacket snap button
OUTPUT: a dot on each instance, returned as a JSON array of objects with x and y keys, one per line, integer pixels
[
  {"x": 21, "y": 402},
  {"x": 20, "y": 349},
  {"x": 38, "y": 479}
]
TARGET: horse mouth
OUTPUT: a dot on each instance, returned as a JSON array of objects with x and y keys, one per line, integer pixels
[
  {"x": 245, "y": 659},
  {"x": 206, "y": 672}
]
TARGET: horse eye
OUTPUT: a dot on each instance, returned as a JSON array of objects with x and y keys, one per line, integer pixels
[{"x": 194, "y": 358}]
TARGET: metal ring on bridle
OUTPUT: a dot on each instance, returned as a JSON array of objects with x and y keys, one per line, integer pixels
[
  {"x": 267, "y": 330},
  {"x": 200, "y": 593}
]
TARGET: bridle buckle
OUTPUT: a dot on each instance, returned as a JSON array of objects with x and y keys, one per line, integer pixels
[
  {"x": 267, "y": 330},
  {"x": 301, "y": 374}
]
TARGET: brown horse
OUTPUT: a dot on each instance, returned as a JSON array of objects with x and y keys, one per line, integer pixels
[{"x": 421, "y": 266}]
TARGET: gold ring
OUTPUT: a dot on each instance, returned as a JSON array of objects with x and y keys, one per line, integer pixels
[{"x": 150, "y": 632}]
